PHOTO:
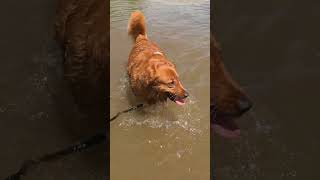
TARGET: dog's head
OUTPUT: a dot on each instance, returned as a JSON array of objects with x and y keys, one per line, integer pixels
[
  {"x": 228, "y": 100},
  {"x": 167, "y": 83}
]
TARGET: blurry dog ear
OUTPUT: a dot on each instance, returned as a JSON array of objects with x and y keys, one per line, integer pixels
[
  {"x": 155, "y": 80},
  {"x": 156, "y": 65}
]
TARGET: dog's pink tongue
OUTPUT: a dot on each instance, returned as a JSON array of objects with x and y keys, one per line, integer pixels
[
  {"x": 225, "y": 132},
  {"x": 180, "y": 102}
]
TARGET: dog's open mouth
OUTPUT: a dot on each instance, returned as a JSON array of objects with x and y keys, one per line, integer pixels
[
  {"x": 226, "y": 127},
  {"x": 178, "y": 100},
  {"x": 224, "y": 124}
]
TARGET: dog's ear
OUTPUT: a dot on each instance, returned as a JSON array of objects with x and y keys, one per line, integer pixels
[
  {"x": 149, "y": 77},
  {"x": 156, "y": 65},
  {"x": 155, "y": 80},
  {"x": 151, "y": 84}
]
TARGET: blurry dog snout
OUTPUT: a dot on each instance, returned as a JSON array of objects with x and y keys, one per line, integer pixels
[
  {"x": 244, "y": 104},
  {"x": 186, "y": 94}
]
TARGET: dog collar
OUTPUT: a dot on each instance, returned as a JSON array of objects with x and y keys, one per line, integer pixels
[{"x": 158, "y": 52}]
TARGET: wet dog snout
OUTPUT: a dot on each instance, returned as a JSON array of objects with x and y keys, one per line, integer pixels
[
  {"x": 244, "y": 104},
  {"x": 186, "y": 94}
]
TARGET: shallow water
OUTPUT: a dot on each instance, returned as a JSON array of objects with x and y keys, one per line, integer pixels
[
  {"x": 272, "y": 49},
  {"x": 163, "y": 141}
]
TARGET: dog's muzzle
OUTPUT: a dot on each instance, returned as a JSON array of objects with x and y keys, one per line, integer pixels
[{"x": 178, "y": 99}]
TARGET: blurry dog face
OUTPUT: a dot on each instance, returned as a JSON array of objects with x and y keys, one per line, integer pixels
[
  {"x": 229, "y": 97},
  {"x": 228, "y": 100},
  {"x": 168, "y": 85}
]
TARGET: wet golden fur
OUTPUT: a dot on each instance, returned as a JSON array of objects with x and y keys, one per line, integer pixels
[{"x": 82, "y": 31}]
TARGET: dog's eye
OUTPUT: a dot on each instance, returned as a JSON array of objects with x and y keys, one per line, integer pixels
[{"x": 171, "y": 84}]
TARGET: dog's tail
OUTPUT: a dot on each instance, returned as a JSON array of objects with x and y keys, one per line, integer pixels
[{"x": 137, "y": 25}]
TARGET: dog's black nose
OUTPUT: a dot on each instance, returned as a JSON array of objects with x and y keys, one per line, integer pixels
[
  {"x": 244, "y": 104},
  {"x": 186, "y": 94}
]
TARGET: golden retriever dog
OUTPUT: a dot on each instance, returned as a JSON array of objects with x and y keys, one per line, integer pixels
[
  {"x": 82, "y": 31},
  {"x": 228, "y": 101},
  {"x": 152, "y": 76}
]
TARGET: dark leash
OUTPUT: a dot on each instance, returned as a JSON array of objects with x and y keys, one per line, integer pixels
[
  {"x": 77, "y": 147},
  {"x": 127, "y": 110}
]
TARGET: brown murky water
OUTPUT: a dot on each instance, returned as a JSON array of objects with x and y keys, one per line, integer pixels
[
  {"x": 272, "y": 49},
  {"x": 170, "y": 141}
]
